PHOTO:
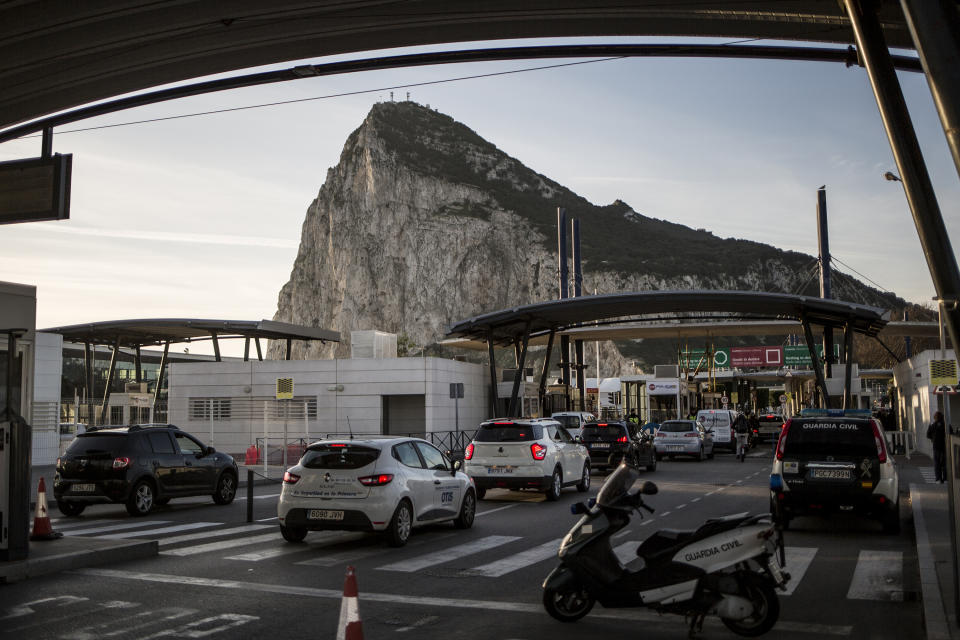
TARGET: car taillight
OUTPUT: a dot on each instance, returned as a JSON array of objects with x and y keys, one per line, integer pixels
[
  {"x": 782, "y": 442},
  {"x": 121, "y": 463},
  {"x": 468, "y": 452},
  {"x": 538, "y": 451},
  {"x": 376, "y": 481},
  {"x": 878, "y": 438},
  {"x": 290, "y": 478},
  {"x": 622, "y": 439}
]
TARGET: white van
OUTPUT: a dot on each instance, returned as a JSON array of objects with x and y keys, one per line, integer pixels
[
  {"x": 721, "y": 422},
  {"x": 573, "y": 421}
]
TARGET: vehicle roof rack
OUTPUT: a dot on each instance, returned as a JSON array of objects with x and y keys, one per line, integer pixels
[{"x": 152, "y": 425}]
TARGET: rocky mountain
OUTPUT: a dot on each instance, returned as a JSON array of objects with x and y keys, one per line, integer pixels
[{"x": 423, "y": 223}]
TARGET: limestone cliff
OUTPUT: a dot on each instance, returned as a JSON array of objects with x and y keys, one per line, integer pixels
[{"x": 423, "y": 223}]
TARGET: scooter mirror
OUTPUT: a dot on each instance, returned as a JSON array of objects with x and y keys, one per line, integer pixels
[
  {"x": 648, "y": 488},
  {"x": 578, "y": 508}
]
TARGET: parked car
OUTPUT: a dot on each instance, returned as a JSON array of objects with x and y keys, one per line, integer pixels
[
  {"x": 526, "y": 453},
  {"x": 720, "y": 423},
  {"x": 770, "y": 426},
  {"x": 683, "y": 438},
  {"x": 609, "y": 442},
  {"x": 573, "y": 421},
  {"x": 140, "y": 466},
  {"x": 829, "y": 463},
  {"x": 387, "y": 485}
]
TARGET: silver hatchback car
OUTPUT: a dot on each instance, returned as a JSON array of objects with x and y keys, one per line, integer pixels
[{"x": 683, "y": 438}]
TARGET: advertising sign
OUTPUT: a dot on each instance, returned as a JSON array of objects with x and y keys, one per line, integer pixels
[
  {"x": 756, "y": 356},
  {"x": 663, "y": 387}
]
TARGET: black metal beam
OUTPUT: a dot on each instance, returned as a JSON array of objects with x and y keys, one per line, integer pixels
[
  {"x": 542, "y": 395},
  {"x": 493, "y": 377},
  {"x": 289, "y": 347},
  {"x": 106, "y": 392},
  {"x": 163, "y": 369},
  {"x": 519, "y": 377},
  {"x": 815, "y": 362},
  {"x": 259, "y": 353},
  {"x": 246, "y": 349},
  {"x": 137, "y": 364},
  {"x": 216, "y": 346}
]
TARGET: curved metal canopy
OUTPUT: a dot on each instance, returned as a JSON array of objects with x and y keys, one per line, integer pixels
[
  {"x": 54, "y": 56},
  {"x": 509, "y": 325}
]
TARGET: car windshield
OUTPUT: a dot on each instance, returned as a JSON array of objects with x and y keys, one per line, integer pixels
[
  {"x": 672, "y": 426},
  {"x": 618, "y": 484},
  {"x": 96, "y": 444},
  {"x": 710, "y": 420},
  {"x": 339, "y": 456},
  {"x": 839, "y": 438},
  {"x": 508, "y": 432},
  {"x": 568, "y": 421},
  {"x": 597, "y": 431}
]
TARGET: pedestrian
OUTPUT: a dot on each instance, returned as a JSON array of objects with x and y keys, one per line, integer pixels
[
  {"x": 634, "y": 418},
  {"x": 936, "y": 432}
]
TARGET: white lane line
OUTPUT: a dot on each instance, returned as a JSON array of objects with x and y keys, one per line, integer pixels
[
  {"x": 620, "y": 534},
  {"x": 646, "y": 522},
  {"x": 118, "y": 527},
  {"x": 268, "y": 519},
  {"x": 680, "y": 506},
  {"x": 695, "y": 500},
  {"x": 74, "y": 523},
  {"x": 206, "y": 535},
  {"x": 225, "y": 544},
  {"x": 483, "y": 513},
  {"x": 878, "y": 576},
  {"x": 627, "y": 551},
  {"x": 287, "y": 590},
  {"x": 342, "y": 557},
  {"x": 665, "y": 514},
  {"x": 327, "y": 538},
  {"x": 713, "y": 492},
  {"x": 153, "y": 532},
  {"x": 448, "y": 554},
  {"x": 798, "y": 561},
  {"x": 263, "y": 497},
  {"x": 517, "y": 561}
]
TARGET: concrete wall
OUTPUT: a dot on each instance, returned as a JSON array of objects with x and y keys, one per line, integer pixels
[
  {"x": 916, "y": 400},
  {"x": 347, "y": 395}
]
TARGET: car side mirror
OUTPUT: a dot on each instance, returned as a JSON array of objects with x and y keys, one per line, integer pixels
[
  {"x": 209, "y": 451},
  {"x": 457, "y": 464}
]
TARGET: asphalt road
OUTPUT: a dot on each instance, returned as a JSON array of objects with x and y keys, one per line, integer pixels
[{"x": 224, "y": 578}]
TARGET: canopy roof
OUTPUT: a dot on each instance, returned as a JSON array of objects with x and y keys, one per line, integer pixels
[
  {"x": 509, "y": 325},
  {"x": 158, "y": 331}
]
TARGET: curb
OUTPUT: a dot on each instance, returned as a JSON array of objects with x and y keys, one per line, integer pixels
[
  {"x": 934, "y": 616},
  {"x": 77, "y": 559}
]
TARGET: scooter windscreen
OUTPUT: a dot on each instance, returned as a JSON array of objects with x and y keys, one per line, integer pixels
[{"x": 617, "y": 486}]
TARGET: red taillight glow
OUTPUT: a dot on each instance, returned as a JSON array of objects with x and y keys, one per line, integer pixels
[
  {"x": 782, "y": 442},
  {"x": 601, "y": 424},
  {"x": 121, "y": 463},
  {"x": 622, "y": 439},
  {"x": 338, "y": 445},
  {"x": 376, "y": 481},
  {"x": 290, "y": 478},
  {"x": 502, "y": 423},
  {"x": 468, "y": 452},
  {"x": 881, "y": 445},
  {"x": 538, "y": 451}
]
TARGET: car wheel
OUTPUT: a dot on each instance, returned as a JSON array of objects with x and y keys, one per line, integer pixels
[
  {"x": 70, "y": 508},
  {"x": 584, "y": 484},
  {"x": 226, "y": 488},
  {"x": 398, "y": 531},
  {"x": 481, "y": 493},
  {"x": 293, "y": 534},
  {"x": 140, "y": 502},
  {"x": 468, "y": 510},
  {"x": 556, "y": 483}
]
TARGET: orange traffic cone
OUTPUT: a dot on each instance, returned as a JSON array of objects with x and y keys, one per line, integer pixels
[
  {"x": 42, "y": 529},
  {"x": 350, "y": 627}
]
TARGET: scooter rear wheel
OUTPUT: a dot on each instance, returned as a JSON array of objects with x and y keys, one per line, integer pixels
[
  {"x": 766, "y": 609},
  {"x": 567, "y": 605}
]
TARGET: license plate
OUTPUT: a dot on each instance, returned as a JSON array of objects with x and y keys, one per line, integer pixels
[
  {"x": 675, "y": 447},
  {"x": 83, "y": 488},
  {"x": 831, "y": 474},
  {"x": 325, "y": 514},
  {"x": 499, "y": 470},
  {"x": 600, "y": 445}
]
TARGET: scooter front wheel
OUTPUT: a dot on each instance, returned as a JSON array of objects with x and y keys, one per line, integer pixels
[
  {"x": 568, "y": 604},
  {"x": 766, "y": 609}
]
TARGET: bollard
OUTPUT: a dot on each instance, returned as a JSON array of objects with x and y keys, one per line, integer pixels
[{"x": 249, "y": 495}]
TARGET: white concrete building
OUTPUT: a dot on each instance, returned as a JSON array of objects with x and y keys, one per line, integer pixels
[
  {"x": 916, "y": 399},
  {"x": 234, "y": 405}
]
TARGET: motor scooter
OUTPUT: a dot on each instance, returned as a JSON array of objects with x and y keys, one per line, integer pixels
[{"x": 728, "y": 567}]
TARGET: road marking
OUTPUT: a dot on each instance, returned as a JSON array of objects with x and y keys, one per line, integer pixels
[
  {"x": 665, "y": 514},
  {"x": 224, "y": 544},
  {"x": 288, "y": 590},
  {"x": 713, "y": 492},
  {"x": 264, "y": 497},
  {"x": 798, "y": 561},
  {"x": 621, "y": 533},
  {"x": 878, "y": 576},
  {"x": 129, "y": 624},
  {"x": 342, "y": 557},
  {"x": 483, "y": 513},
  {"x": 448, "y": 554},
  {"x": 517, "y": 561},
  {"x": 646, "y": 522},
  {"x": 79, "y": 523},
  {"x": 152, "y": 532},
  {"x": 680, "y": 506},
  {"x": 118, "y": 527},
  {"x": 206, "y": 535},
  {"x": 418, "y": 623},
  {"x": 695, "y": 500},
  {"x": 268, "y": 519}
]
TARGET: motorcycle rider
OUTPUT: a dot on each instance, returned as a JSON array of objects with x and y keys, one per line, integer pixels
[{"x": 742, "y": 429}]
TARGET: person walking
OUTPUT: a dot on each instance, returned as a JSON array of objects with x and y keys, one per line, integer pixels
[
  {"x": 937, "y": 433},
  {"x": 741, "y": 428}
]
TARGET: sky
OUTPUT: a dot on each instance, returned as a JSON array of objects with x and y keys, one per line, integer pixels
[{"x": 200, "y": 217}]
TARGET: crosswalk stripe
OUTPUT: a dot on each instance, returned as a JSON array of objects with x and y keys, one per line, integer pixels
[
  {"x": 448, "y": 554},
  {"x": 155, "y": 532},
  {"x": 878, "y": 576},
  {"x": 326, "y": 538},
  {"x": 225, "y": 544},
  {"x": 342, "y": 557},
  {"x": 118, "y": 527},
  {"x": 64, "y": 524},
  {"x": 213, "y": 534},
  {"x": 517, "y": 561},
  {"x": 798, "y": 561}
]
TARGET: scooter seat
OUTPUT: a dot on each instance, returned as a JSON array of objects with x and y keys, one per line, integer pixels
[{"x": 663, "y": 540}]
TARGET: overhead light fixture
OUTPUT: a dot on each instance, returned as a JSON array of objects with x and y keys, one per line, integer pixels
[{"x": 892, "y": 177}]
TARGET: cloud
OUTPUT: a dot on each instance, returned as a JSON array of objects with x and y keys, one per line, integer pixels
[{"x": 177, "y": 237}]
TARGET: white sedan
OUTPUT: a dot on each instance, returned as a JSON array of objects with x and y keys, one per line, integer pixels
[{"x": 387, "y": 485}]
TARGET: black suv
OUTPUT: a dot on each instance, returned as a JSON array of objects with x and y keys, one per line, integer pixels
[
  {"x": 140, "y": 466},
  {"x": 609, "y": 442}
]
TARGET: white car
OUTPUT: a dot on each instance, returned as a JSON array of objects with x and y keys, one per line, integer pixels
[
  {"x": 526, "y": 453},
  {"x": 573, "y": 421},
  {"x": 388, "y": 485}
]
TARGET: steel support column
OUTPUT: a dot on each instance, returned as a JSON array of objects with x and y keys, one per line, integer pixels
[
  {"x": 937, "y": 249},
  {"x": 89, "y": 362},
  {"x": 542, "y": 395},
  {"x": 493, "y": 376},
  {"x": 259, "y": 353},
  {"x": 246, "y": 349},
  {"x": 163, "y": 369},
  {"x": 137, "y": 363},
  {"x": 935, "y": 28},
  {"x": 848, "y": 365},
  {"x": 289, "y": 347},
  {"x": 106, "y": 392},
  {"x": 518, "y": 378},
  {"x": 815, "y": 363}
]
